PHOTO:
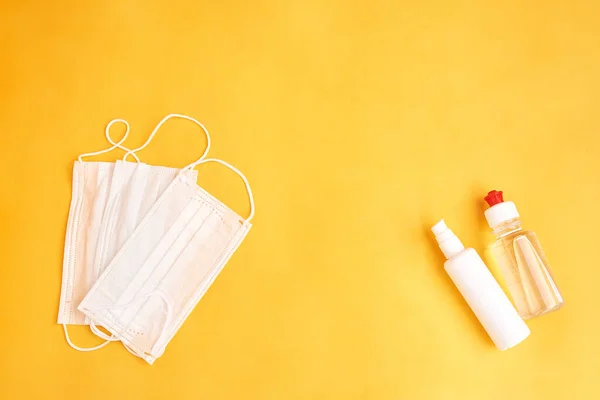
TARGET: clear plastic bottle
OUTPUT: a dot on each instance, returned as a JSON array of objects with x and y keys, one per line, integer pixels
[{"x": 521, "y": 260}]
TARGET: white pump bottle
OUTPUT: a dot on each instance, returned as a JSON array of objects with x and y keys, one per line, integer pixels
[{"x": 481, "y": 291}]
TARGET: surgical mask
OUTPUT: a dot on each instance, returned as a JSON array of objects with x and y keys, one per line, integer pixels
[
  {"x": 166, "y": 266},
  {"x": 133, "y": 189},
  {"x": 90, "y": 191}
]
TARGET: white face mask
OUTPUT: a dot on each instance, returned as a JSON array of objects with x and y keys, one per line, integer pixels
[
  {"x": 125, "y": 195},
  {"x": 90, "y": 190},
  {"x": 166, "y": 266},
  {"x": 134, "y": 190}
]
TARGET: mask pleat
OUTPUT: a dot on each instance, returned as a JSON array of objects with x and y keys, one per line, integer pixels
[
  {"x": 163, "y": 256},
  {"x": 96, "y": 179}
]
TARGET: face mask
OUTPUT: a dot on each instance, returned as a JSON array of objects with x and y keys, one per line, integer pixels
[
  {"x": 135, "y": 188},
  {"x": 166, "y": 266},
  {"x": 91, "y": 186}
]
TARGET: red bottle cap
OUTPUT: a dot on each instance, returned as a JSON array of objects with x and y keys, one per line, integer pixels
[{"x": 494, "y": 197}]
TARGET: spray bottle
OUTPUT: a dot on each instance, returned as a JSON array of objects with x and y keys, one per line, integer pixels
[{"x": 481, "y": 291}]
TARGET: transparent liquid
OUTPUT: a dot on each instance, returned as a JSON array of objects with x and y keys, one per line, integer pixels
[{"x": 527, "y": 273}]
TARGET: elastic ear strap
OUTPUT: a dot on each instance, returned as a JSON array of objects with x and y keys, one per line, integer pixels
[
  {"x": 107, "y": 134},
  {"x": 164, "y": 328},
  {"x": 114, "y": 145},
  {"x": 101, "y": 334},
  {"x": 165, "y": 119},
  {"x": 167, "y": 319},
  {"x": 82, "y": 348},
  {"x": 234, "y": 169}
]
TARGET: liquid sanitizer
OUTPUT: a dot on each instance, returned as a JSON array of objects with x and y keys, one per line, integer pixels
[
  {"x": 521, "y": 260},
  {"x": 481, "y": 291}
]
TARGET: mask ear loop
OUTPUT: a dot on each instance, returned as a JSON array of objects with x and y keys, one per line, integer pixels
[
  {"x": 101, "y": 334},
  {"x": 158, "y": 126},
  {"x": 162, "y": 331},
  {"x": 82, "y": 348},
  {"x": 234, "y": 169},
  {"x": 114, "y": 145}
]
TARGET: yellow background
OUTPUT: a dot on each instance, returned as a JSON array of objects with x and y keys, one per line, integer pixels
[{"x": 359, "y": 124}]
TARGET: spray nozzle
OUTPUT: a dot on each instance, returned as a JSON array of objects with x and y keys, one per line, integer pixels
[
  {"x": 494, "y": 197},
  {"x": 439, "y": 228},
  {"x": 449, "y": 243}
]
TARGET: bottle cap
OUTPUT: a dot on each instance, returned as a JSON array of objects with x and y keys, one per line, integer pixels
[{"x": 500, "y": 211}]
